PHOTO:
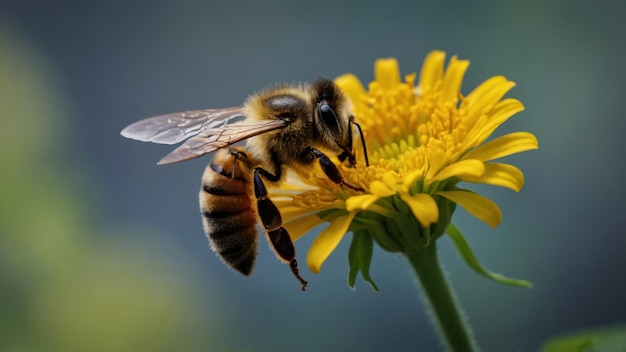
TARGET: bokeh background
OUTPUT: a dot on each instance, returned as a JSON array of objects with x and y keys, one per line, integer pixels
[{"x": 102, "y": 249}]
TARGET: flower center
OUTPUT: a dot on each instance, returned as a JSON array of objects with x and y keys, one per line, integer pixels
[{"x": 406, "y": 128}]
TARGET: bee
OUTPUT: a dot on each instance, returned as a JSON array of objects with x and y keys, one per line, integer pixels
[{"x": 284, "y": 126}]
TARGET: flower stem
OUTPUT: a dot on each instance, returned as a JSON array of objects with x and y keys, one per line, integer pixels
[{"x": 444, "y": 309}]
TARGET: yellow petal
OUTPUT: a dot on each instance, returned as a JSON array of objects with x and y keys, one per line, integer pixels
[
  {"x": 289, "y": 211},
  {"x": 471, "y": 167},
  {"x": 352, "y": 86},
  {"x": 436, "y": 158},
  {"x": 432, "y": 70},
  {"x": 301, "y": 226},
  {"x": 502, "y": 146},
  {"x": 475, "y": 204},
  {"x": 327, "y": 241},
  {"x": 380, "y": 189},
  {"x": 497, "y": 116},
  {"x": 497, "y": 174},
  {"x": 494, "y": 95},
  {"x": 488, "y": 93},
  {"x": 387, "y": 73},
  {"x": 423, "y": 206},
  {"x": 484, "y": 101},
  {"x": 361, "y": 201},
  {"x": 390, "y": 179},
  {"x": 502, "y": 111},
  {"x": 453, "y": 79},
  {"x": 410, "y": 178}
]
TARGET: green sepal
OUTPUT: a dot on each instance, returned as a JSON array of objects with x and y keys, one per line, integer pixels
[
  {"x": 446, "y": 210},
  {"x": 612, "y": 338},
  {"x": 466, "y": 252},
  {"x": 360, "y": 257},
  {"x": 374, "y": 225}
]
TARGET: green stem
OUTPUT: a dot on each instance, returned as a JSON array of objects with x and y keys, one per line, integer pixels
[{"x": 444, "y": 309}]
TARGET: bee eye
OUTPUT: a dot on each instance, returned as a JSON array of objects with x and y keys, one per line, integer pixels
[{"x": 330, "y": 119}]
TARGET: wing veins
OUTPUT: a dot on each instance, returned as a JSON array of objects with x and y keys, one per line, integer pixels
[
  {"x": 176, "y": 127},
  {"x": 209, "y": 141}
]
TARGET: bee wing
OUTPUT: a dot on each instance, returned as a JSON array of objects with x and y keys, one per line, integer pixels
[
  {"x": 212, "y": 139},
  {"x": 176, "y": 127}
]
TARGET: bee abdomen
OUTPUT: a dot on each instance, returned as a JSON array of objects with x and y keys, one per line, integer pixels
[
  {"x": 228, "y": 215},
  {"x": 236, "y": 246}
]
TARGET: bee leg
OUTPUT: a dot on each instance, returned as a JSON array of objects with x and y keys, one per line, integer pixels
[
  {"x": 284, "y": 247},
  {"x": 347, "y": 150},
  {"x": 272, "y": 223},
  {"x": 347, "y": 155},
  {"x": 329, "y": 168}
]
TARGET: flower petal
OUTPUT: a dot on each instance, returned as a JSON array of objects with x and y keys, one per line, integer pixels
[
  {"x": 381, "y": 189},
  {"x": 488, "y": 123},
  {"x": 436, "y": 160},
  {"x": 301, "y": 226},
  {"x": 423, "y": 206},
  {"x": 497, "y": 116},
  {"x": 361, "y": 201},
  {"x": 453, "y": 79},
  {"x": 432, "y": 70},
  {"x": 488, "y": 93},
  {"x": 475, "y": 204},
  {"x": 327, "y": 241},
  {"x": 410, "y": 178},
  {"x": 289, "y": 212},
  {"x": 497, "y": 174},
  {"x": 502, "y": 146},
  {"x": 352, "y": 86},
  {"x": 463, "y": 168},
  {"x": 387, "y": 73}
]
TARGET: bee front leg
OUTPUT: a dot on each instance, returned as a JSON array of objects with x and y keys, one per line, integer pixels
[
  {"x": 329, "y": 168},
  {"x": 349, "y": 156},
  {"x": 347, "y": 150},
  {"x": 272, "y": 224}
]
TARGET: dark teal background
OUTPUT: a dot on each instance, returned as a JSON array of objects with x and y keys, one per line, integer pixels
[{"x": 100, "y": 248}]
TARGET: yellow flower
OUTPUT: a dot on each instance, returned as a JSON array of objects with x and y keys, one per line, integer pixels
[{"x": 423, "y": 140}]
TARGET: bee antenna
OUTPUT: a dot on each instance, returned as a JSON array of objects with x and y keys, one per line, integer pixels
[{"x": 367, "y": 163}]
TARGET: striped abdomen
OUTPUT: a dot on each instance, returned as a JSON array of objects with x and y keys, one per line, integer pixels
[{"x": 228, "y": 215}]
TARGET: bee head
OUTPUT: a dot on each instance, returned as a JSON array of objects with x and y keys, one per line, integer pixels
[{"x": 332, "y": 115}]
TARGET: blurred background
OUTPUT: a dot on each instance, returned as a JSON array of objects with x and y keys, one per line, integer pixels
[{"x": 102, "y": 249}]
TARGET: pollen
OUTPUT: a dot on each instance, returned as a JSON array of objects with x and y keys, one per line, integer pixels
[{"x": 318, "y": 199}]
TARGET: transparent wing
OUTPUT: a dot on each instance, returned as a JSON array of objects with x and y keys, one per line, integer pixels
[
  {"x": 176, "y": 127},
  {"x": 209, "y": 140},
  {"x": 205, "y": 131}
]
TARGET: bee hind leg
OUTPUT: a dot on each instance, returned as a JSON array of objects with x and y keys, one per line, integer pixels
[{"x": 272, "y": 221}]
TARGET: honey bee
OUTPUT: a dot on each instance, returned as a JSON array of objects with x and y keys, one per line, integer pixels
[{"x": 285, "y": 126}]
